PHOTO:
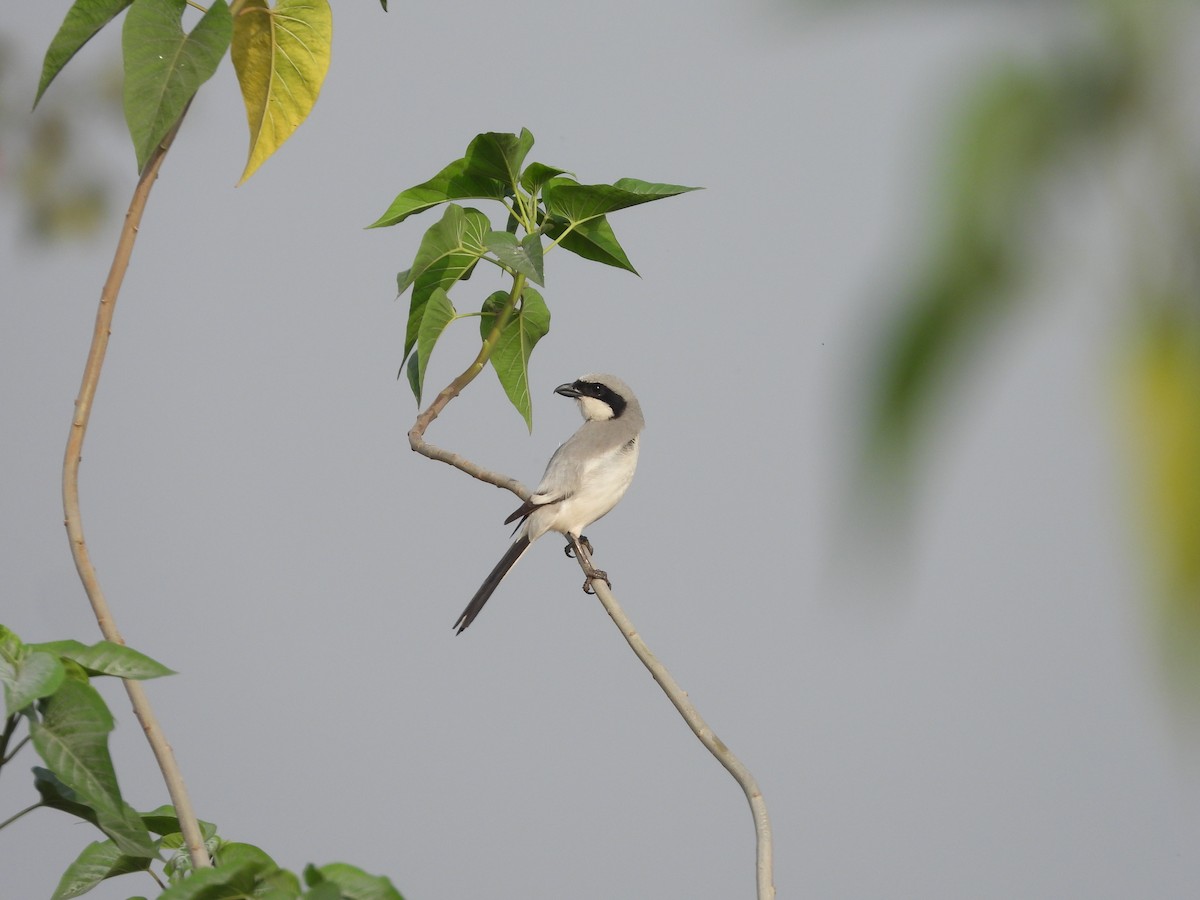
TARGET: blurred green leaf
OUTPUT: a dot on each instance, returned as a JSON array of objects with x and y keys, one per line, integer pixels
[
  {"x": 931, "y": 331},
  {"x": 527, "y": 325},
  {"x": 72, "y": 739},
  {"x": 352, "y": 883},
  {"x": 107, "y": 658},
  {"x": 84, "y": 19},
  {"x": 164, "y": 67},
  {"x": 163, "y": 821},
  {"x": 57, "y": 795},
  {"x": 235, "y": 882},
  {"x": 98, "y": 861},
  {"x": 27, "y": 675}
]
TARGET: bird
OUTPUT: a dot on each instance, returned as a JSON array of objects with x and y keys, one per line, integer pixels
[{"x": 584, "y": 479}]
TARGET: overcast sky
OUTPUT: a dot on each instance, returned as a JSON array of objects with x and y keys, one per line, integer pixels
[{"x": 979, "y": 714}]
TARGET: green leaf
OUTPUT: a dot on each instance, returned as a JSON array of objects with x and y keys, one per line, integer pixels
[
  {"x": 488, "y": 171},
  {"x": 281, "y": 56},
  {"x": 354, "y": 883},
  {"x": 98, "y": 861},
  {"x": 72, "y": 739},
  {"x": 593, "y": 240},
  {"x": 412, "y": 371},
  {"x": 577, "y": 203},
  {"x": 324, "y": 890},
  {"x": 164, "y": 821},
  {"x": 521, "y": 256},
  {"x": 57, "y": 795},
  {"x": 498, "y": 156},
  {"x": 537, "y": 174},
  {"x": 107, "y": 658},
  {"x": 84, "y": 19},
  {"x": 448, "y": 253},
  {"x": 944, "y": 313},
  {"x": 234, "y": 882},
  {"x": 165, "y": 67},
  {"x": 28, "y": 675},
  {"x": 439, "y": 313},
  {"x": 235, "y": 853},
  {"x": 510, "y": 357},
  {"x": 455, "y": 182}
]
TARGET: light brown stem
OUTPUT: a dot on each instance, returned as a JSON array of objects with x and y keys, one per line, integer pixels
[
  {"x": 188, "y": 825},
  {"x": 679, "y": 698},
  {"x": 416, "y": 434}
]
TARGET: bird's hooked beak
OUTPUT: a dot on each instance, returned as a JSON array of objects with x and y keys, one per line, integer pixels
[{"x": 568, "y": 390}]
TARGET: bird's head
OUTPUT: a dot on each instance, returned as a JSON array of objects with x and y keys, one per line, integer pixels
[{"x": 600, "y": 397}]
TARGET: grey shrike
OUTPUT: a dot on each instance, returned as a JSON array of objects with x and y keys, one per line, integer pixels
[{"x": 584, "y": 479}]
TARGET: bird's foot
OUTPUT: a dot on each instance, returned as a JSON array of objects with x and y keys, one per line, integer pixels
[
  {"x": 584, "y": 542},
  {"x": 594, "y": 574}
]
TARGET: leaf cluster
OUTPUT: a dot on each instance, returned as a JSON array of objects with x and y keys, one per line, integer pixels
[
  {"x": 280, "y": 54},
  {"x": 544, "y": 207},
  {"x": 47, "y": 687}
]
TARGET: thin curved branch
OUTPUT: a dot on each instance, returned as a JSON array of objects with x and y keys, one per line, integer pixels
[
  {"x": 173, "y": 778},
  {"x": 679, "y": 699},
  {"x": 416, "y": 434}
]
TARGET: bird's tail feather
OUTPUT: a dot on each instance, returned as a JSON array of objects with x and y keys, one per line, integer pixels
[{"x": 507, "y": 561}]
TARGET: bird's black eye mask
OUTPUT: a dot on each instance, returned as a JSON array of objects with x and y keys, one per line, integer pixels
[{"x": 603, "y": 393}]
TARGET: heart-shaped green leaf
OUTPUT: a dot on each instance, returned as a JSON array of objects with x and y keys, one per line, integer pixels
[
  {"x": 527, "y": 325},
  {"x": 498, "y": 155},
  {"x": 537, "y": 174},
  {"x": 164, "y": 67},
  {"x": 448, "y": 253},
  {"x": 521, "y": 256}
]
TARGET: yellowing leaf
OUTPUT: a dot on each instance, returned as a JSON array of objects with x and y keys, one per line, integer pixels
[
  {"x": 1163, "y": 391},
  {"x": 281, "y": 55}
]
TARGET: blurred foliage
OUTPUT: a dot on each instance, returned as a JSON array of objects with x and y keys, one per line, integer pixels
[
  {"x": 1160, "y": 385},
  {"x": 1107, "y": 90},
  {"x": 47, "y": 168}
]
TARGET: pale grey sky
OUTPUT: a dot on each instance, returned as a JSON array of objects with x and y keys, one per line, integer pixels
[{"x": 980, "y": 716}]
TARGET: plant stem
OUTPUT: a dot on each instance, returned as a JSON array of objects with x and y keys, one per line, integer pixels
[
  {"x": 10, "y": 726},
  {"x": 83, "y": 564},
  {"x": 416, "y": 435},
  {"x": 679, "y": 698},
  {"x": 15, "y": 750},
  {"x": 18, "y": 815}
]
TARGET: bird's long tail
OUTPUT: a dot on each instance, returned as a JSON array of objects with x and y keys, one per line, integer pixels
[{"x": 507, "y": 561}]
